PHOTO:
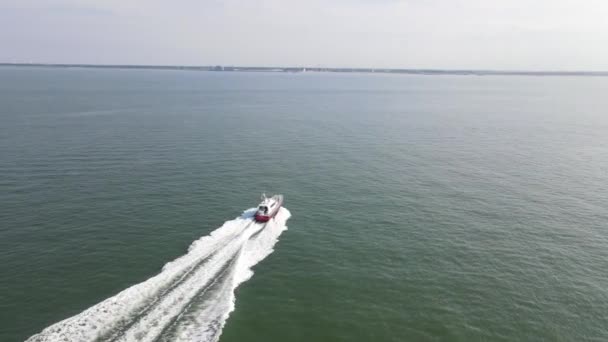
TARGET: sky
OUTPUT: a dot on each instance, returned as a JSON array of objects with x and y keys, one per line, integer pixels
[{"x": 435, "y": 34}]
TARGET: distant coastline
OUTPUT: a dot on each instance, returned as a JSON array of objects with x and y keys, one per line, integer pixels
[{"x": 220, "y": 68}]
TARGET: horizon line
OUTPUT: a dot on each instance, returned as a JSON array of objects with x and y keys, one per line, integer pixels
[{"x": 236, "y": 68}]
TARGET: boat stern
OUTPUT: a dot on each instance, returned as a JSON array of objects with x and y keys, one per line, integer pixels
[{"x": 261, "y": 218}]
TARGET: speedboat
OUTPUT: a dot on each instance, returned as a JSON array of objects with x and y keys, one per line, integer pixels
[{"x": 268, "y": 208}]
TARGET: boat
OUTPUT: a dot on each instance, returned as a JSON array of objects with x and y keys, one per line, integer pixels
[{"x": 268, "y": 208}]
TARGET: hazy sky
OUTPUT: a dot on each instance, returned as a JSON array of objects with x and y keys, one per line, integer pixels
[{"x": 479, "y": 34}]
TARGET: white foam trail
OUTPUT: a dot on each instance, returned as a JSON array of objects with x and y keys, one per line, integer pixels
[
  {"x": 205, "y": 322},
  {"x": 189, "y": 300}
]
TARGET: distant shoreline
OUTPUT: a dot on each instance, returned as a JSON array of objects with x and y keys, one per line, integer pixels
[{"x": 314, "y": 69}]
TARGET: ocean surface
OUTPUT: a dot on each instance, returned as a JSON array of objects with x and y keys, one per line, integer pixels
[{"x": 417, "y": 208}]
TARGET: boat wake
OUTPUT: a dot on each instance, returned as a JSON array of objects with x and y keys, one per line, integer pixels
[{"x": 189, "y": 300}]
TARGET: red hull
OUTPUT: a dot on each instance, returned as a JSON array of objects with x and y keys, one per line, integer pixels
[{"x": 262, "y": 218}]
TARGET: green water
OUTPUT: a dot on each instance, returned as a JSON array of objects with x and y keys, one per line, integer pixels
[{"x": 423, "y": 208}]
